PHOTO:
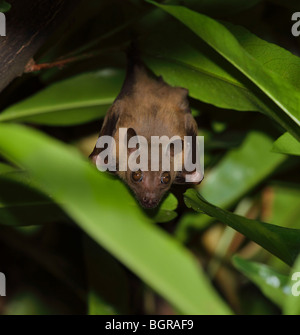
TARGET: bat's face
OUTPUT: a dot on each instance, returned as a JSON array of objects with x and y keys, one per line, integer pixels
[
  {"x": 149, "y": 186},
  {"x": 153, "y": 172},
  {"x": 150, "y": 173}
]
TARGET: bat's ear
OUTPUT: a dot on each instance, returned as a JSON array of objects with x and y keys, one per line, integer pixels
[
  {"x": 130, "y": 133},
  {"x": 182, "y": 98},
  {"x": 184, "y": 177},
  {"x": 93, "y": 156}
]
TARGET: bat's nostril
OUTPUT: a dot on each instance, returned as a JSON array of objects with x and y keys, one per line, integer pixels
[{"x": 148, "y": 202}]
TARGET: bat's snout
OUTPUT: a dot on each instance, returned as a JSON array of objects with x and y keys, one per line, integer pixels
[{"x": 148, "y": 202}]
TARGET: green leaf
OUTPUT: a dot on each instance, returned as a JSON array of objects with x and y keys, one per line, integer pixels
[
  {"x": 217, "y": 36},
  {"x": 241, "y": 169},
  {"x": 236, "y": 174},
  {"x": 217, "y": 7},
  {"x": 4, "y": 6},
  {"x": 185, "y": 60},
  {"x": 107, "y": 212},
  {"x": 4, "y": 168},
  {"x": 73, "y": 101},
  {"x": 271, "y": 56},
  {"x": 27, "y": 302},
  {"x": 287, "y": 144},
  {"x": 291, "y": 303},
  {"x": 166, "y": 210},
  {"x": 285, "y": 206},
  {"x": 282, "y": 242},
  {"x": 272, "y": 284}
]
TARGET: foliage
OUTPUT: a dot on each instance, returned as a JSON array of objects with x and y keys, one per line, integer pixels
[{"x": 57, "y": 209}]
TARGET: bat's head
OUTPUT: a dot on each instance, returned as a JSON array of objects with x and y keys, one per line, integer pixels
[
  {"x": 149, "y": 186},
  {"x": 149, "y": 168},
  {"x": 154, "y": 170}
]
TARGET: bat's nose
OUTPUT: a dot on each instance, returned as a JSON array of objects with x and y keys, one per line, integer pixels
[{"x": 149, "y": 202}]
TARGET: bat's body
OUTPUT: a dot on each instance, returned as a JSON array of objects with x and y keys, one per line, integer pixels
[{"x": 147, "y": 107}]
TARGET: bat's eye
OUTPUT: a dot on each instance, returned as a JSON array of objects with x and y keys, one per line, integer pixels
[
  {"x": 165, "y": 178},
  {"x": 137, "y": 175}
]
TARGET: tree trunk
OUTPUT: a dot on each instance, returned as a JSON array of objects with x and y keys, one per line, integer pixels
[{"x": 28, "y": 25}]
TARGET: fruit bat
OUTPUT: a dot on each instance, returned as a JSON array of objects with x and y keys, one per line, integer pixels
[{"x": 147, "y": 106}]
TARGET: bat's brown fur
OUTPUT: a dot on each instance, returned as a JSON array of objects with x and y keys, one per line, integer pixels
[{"x": 150, "y": 107}]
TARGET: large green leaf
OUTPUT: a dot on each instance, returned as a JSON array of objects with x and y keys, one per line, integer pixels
[
  {"x": 106, "y": 211},
  {"x": 22, "y": 204},
  {"x": 282, "y": 242},
  {"x": 4, "y": 168},
  {"x": 241, "y": 169},
  {"x": 236, "y": 174},
  {"x": 185, "y": 60},
  {"x": 270, "y": 56},
  {"x": 215, "y": 80},
  {"x": 285, "y": 97},
  {"x": 274, "y": 285},
  {"x": 73, "y": 101},
  {"x": 287, "y": 144}
]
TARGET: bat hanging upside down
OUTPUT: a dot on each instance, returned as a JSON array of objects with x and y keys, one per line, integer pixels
[{"x": 148, "y": 107}]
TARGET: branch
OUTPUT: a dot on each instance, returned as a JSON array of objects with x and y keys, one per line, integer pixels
[{"x": 28, "y": 26}]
